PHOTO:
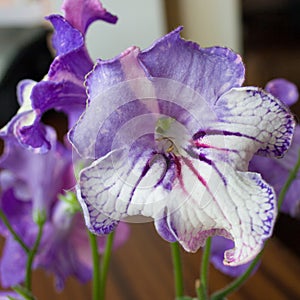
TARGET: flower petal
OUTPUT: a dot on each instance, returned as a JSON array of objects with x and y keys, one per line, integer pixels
[
  {"x": 239, "y": 206},
  {"x": 132, "y": 96},
  {"x": 66, "y": 38},
  {"x": 43, "y": 188},
  {"x": 72, "y": 60},
  {"x": 209, "y": 71},
  {"x": 83, "y": 12},
  {"x": 218, "y": 247},
  {"x": 65, "y": 96},
  {"x": 13, "y": 264},
  {"x": 284, "y": 90},
  {"x": 189, "y": 199},
  {"x": 132, "y": 186},
  {"x": 249, "y": 121}
]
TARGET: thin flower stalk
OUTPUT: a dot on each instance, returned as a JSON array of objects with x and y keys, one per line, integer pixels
[
  {"x": 105, "y": 264},
  {"x": 31, "y": 256},
  {"x": 203, "y": 288},
  {"x": 177, "y": 268},
  {"x": 12, "y": 232},
  {"x": 96, "y": 266}
]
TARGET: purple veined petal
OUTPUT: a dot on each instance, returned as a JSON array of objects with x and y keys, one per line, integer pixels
[
  {"x": 249, "y": 121},
  {"x": 83, "y": 12},
  {"x": 188, "y": 205},
  {"x": 218, "y": 247},
  {"x": 220, "y": 206},
  {"x": 132, "y": 96},
  {"x": 209, "y": 71},
  {"x": 284, "y": 90},
  {"x": 128, "y": 183}
]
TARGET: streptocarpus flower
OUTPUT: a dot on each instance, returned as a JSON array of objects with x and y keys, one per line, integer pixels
[
  {"x": 171, "y": 132},
  {"x": 32, "y": 183},
  {"x": 62, "y": 88}
]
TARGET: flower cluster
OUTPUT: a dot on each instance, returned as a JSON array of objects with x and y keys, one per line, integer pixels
[
  {"x": 37, "y": 178},
  {"x": 168, "y": 133}
]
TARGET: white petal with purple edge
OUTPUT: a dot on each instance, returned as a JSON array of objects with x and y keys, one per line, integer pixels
[
  {"x": 200, "y": 200},
  {"x": 249, "y": 121}
]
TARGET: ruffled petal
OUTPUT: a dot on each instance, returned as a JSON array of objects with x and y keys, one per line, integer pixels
[
  {"x": 249, "y": 121},
  {"x": 210, "y": 201},
  {"x": 83, "y": 12},
  {"x": 66, "y": 38},
  {"x": 209, "y": 71},
  {"x": 72, "y": 62},
  {"x": 132, "y": 186},
  {"x": 25, "y": 126},
  {"x": 190, "y": 199}
]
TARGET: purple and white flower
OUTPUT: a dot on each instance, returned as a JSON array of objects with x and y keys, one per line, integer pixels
[
  {"x": 171, "y": 132},
  {"x": 62, "y": 88},
  {"x": 31, "y": 184}
]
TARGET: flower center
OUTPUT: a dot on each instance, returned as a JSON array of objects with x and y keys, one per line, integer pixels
[{"x": 170, "y": 136}]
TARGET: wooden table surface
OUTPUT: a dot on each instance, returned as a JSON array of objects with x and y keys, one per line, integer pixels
[{"x": 141, "y": 270}]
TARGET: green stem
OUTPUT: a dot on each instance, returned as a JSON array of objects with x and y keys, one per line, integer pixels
[
  {"x": 241, "y": 280},
  {"x": 27, "y": 295},
  {"x": 96, "y": 266},
  {"x": 203, "y": 288},
  {"x": 105, "y": 263},
  {"x": 13, "y": 233},
  {"x": 177, "y": 267},
  {"x": 220, "y": 295},
  {"x": 31, "y": 256}
]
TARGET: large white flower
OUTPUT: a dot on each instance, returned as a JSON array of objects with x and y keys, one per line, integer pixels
[{"x": 171, "y": 132}]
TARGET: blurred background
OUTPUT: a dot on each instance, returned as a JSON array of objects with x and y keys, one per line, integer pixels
[{"x": 265, "y": 32}]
